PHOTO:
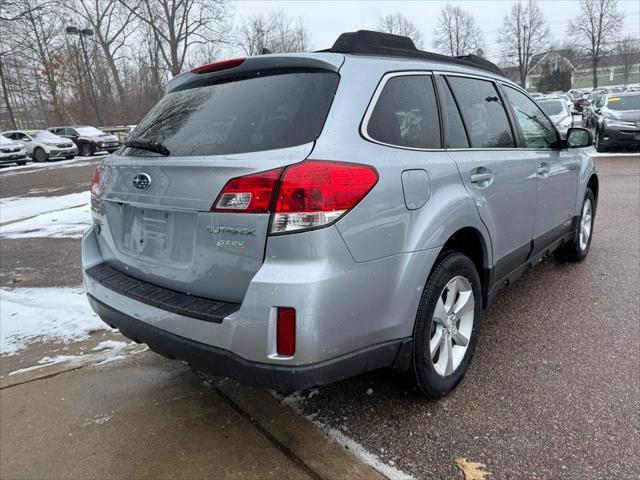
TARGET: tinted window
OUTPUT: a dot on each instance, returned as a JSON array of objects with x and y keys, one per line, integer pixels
[
  {"x": 537, "y": 130},
  {"x": 406, "y": 113},
  {"x": 628, "y": 102},
  {"x": 456, "y": 135},
  {"x": 553, "y": 107},
  {"x": 249, "y": 115},
  {"x": 482, "y": 112}
]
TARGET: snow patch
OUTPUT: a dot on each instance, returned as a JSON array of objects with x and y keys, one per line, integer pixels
[
  {"x": 66, "y": 223},
  {"x": 28, "y": 315},
  {"x": 20, "y": 208}
]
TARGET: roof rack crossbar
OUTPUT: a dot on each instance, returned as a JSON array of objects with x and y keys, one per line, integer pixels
[{"x": 378, "y": 43}]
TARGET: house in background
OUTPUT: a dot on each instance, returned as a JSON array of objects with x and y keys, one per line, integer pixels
[{"x": 563, "y": 69}]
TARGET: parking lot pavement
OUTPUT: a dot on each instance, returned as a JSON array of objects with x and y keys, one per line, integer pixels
[
  {"x": 103, "y": 407},
  {"x": 553, "y": 391},
  {"x": 144, "y": 418}
]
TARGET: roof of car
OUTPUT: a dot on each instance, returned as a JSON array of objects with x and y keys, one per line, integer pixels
[{"x": 368, "y": 42}]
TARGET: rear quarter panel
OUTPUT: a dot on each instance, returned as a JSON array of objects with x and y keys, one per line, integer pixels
[{"x": 381, "y": 224}]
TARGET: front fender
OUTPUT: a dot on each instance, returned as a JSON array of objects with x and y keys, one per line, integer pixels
[{"x": 586, "y": 169}]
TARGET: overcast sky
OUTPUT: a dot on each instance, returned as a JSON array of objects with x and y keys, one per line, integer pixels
[{"x": 327, "y": 19}]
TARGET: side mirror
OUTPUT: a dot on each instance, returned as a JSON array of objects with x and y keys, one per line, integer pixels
[{"x": 578, "y": 137}]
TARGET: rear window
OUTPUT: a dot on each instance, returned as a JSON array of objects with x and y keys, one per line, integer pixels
[
  {"x": 249, "y": 115},
  {"x": 553, "y": 107}
]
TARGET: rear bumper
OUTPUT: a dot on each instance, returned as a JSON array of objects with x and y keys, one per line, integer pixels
[
  {"x": 350, "y": 317},
  {"x": 220, "y": 362}
]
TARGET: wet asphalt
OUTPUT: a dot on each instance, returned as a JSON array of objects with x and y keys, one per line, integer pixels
[{"x": 554, "y": 388}]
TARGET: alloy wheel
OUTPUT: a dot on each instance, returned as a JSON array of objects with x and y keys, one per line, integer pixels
[
  {"x": 586, "y": 222},
  {"x": 452, "y": 326}
]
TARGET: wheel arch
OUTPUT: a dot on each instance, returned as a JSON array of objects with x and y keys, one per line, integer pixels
[
  {"x": 594, "y": 185},
  {"x": 470, "y": 242}
]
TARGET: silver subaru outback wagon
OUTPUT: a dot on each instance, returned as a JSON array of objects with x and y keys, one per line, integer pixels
[{"x": 293, "y": 220}]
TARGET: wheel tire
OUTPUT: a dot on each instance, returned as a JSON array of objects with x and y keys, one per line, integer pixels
[
  {"x": 21, "y": 164},
  {"x": 39, "y": 155},
  {"x": 599, "y": 147},
  {"x": 577, "y": 249},
  {"x": 86, "y": 150},
  {"x": 429, "y": 380},
  {"x": 69, "y": 157}
]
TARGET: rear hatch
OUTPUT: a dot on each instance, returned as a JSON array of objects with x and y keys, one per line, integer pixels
[{"x": 156, "y": 210}]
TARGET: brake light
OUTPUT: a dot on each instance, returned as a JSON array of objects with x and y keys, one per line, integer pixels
[
  {"x": 314, "y": 194},
  {"x": 219, "y": 65},
  {"x": 249, "y": 194},
  {"x": 95, "y": 183},
  {"x": 311, "y": 194},
  {"x": 286, "y": 331}
]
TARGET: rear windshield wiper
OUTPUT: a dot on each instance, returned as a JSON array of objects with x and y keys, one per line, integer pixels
[{"x": 150, "y": 145}]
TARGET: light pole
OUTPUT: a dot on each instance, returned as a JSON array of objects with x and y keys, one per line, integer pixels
[{"x": 86, "y": 32}]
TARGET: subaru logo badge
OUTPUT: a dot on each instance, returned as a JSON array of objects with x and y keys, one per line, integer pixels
[{"x": 142, "y": 181}]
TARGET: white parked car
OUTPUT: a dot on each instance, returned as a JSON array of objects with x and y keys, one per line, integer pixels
[
  {"x": 42, "y": 145},
  {"x": 12, "y": 152},
  {"x": 558, "y": 111}
]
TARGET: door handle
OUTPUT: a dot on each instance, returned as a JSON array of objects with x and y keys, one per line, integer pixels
[
  {"x": 481, "y": 177},
  {"x": 543, "y": 169}
]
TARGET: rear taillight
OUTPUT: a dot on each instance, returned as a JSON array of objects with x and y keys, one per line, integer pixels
[
  {"x": 316, "y": 193},
  {"x": 95, "y": 183},
  {"x": 310, "y": 194},
  {"x": 219, "y": 65},
  {"x": 250, "y": 194},
  {"x": 286, "y": 331}
]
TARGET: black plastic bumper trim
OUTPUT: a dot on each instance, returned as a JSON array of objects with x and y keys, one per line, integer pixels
[
  {"x": 160, "y": 297},
  {"x": 219, "y": 362}
]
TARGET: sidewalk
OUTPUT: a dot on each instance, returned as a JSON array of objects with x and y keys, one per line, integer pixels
[{"x": 146, "y": 417}]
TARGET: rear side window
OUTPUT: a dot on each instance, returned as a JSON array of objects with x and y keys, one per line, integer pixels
[
  {"x": 456, "y": 134},
  {"x": 249, "y": 115},
  {"x": 482, "y": 112},
  {"x": 406, "y": 113}
]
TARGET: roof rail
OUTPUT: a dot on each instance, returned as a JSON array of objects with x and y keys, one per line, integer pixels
[{"x": 378, "y": 43}]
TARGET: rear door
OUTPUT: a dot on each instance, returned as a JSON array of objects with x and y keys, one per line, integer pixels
[
  {"x": 498, "y": 176},
  {"x": 556, "y": 169},
  {"x": 157, "y": 210}
]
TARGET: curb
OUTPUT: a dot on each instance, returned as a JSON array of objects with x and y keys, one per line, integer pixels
[{"x": 295, "y": 435}]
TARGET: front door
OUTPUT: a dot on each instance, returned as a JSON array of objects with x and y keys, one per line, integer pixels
[{"x": 556, "y": 170}]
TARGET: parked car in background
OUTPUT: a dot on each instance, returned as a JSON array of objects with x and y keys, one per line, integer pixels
[
  {"x": 559, "y": 113},
  {"x": 42, "y": 145},
  {"x": 536, "y": 95},
  {"x": 12, "y": 151},
  {"x": 565, "y": 97},
  {"x": 307, "y": 218},
  {"x": 88, "y": 139},
  {"x": 616, "y": 120},
  {"x": 120, "y": 132}
]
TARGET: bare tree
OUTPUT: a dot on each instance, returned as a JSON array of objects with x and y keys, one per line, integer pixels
[
  {"x": 179, "y": 26},
  {"x": 457, "y": 33},
  {"x": 111, "y": 22},
  {"x": 524, "y": 33},
  {"x": 628, "y": 52},
  {"x": 275, "y": 32},
  {"x": 595, "y": 30},
  {"x": 398, "y": 24}
]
